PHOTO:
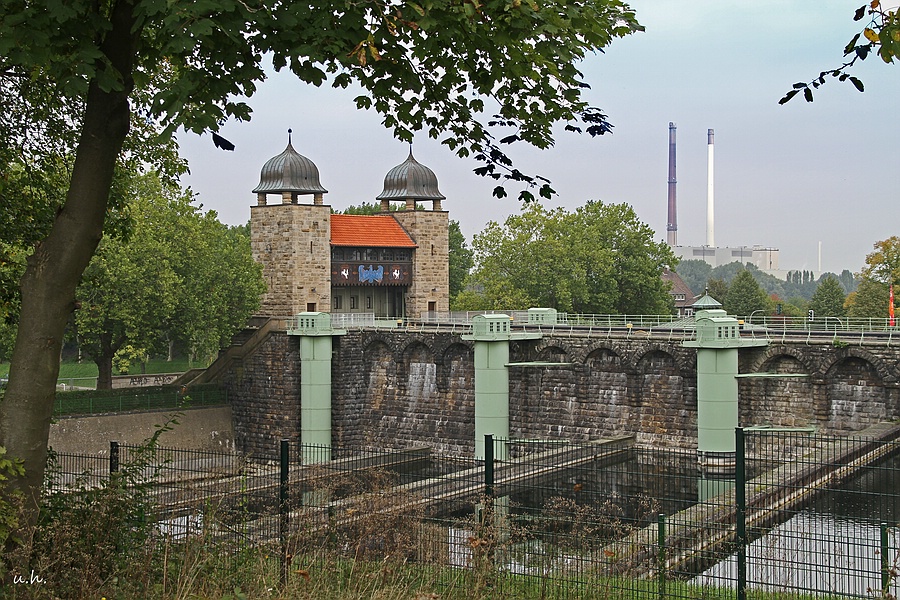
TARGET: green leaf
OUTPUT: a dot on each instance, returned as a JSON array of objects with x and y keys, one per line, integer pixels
[
  {"x": 599, "y": 259},
  {"x": 788, "y": 96},
  {"x": 851, "y": 44}
]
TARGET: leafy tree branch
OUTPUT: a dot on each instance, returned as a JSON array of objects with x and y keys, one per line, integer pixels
[{"x": 880, "y": 36}]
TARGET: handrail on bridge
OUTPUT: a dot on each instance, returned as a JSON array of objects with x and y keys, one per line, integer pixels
[{"x": 838, "y": 330}]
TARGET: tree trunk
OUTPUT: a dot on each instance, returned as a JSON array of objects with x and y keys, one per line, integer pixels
[
  {"x": 104, "y": 359},
  {"x": 53, "y": 271},
  {"x": 104, "y": 372}
]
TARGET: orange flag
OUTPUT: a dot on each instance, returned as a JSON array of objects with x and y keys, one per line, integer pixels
[{"x": 891, "y": 306}]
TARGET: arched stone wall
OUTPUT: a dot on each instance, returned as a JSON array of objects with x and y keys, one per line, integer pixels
[
  {"x": 542, "y": 399},
  {"x": 456, "y": 418},
  {"x": 396, "y": 389},
  {"x": 381, "y": 375},
  {"x": 419, "y": 373},
  {"x": 605, "y": 384},
  {"x": 663, "y": 413},
  {"x": 856, "y": 397},
  {"x": 455, "y": 375},
  {"x": 779, "y": 402},
  {"x": 847, "y": 388}
]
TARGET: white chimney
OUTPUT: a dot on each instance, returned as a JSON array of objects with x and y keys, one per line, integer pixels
[{"x": 819, "y": 263}]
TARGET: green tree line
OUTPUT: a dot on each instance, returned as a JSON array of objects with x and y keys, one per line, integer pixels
[
  {"x": 599, "y": 258},
  {"x": 174, "y": 279},
  {"x": 744, "y": 289}
]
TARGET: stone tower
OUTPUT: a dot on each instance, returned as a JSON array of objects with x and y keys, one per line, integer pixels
[
  {"x": 411, "y": 182},
  {"x": 292, "y": 240}
]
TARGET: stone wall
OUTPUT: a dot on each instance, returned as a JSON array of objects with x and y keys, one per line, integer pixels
[
  {"x": 395, "y": 389},
  {"x": 841, "y": 389},
  {"x": 610, "y": 388},
  {"x": 431, "y": 275},
  {"x": 208, "y": 429},
  {"x": 293, "y": 243},
  {"x": 264, "y": 390}
]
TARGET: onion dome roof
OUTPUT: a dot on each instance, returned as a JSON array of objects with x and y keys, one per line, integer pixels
[
  {"x": 410, "y": 180},
  {"x": 289, "y": 172}
]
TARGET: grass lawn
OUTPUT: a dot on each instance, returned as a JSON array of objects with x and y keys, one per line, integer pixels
[{"x": 87, "y": 369}]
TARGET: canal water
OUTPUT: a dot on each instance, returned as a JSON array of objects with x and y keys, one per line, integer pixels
[
  {"x": 833, "y": 545},
  {"x": 813, "y": 552}
]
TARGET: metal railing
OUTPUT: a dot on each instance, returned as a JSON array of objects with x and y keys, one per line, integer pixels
[
  {"x": 837, "y": 324},
  {"x": 843, "y": 330},
  {"x": 87, "y": 402}
]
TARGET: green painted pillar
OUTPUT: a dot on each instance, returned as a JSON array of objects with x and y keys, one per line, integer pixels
[
  {"x": 717, "y": 399},
  {"x": 491, "y": 334},
  {"x": 491, "y": 395},
  {"x": 718, "y": 338},
  {"x": 315, "y": 398},
  {"x": 315, "y": 333}
]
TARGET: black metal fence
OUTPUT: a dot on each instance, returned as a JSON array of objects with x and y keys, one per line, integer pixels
[
  {"x": 790, "y": 513},
  {"x": 86, "y": 402}
]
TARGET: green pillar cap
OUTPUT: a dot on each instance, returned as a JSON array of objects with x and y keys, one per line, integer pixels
[{"x": 312, "y": 324}]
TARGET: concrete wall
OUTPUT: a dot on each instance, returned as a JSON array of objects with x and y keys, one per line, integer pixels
[
  {"x": 198, "y": 429},
  {"x": 395, "y": 389}
]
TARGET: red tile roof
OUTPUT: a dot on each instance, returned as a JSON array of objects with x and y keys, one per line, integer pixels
[
  {"x": 381, "y": 231},
  {"x": 679, "y": 287}
]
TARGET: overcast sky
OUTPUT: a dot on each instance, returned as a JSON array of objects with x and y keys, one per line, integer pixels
[{"x": 787, "y": 177}]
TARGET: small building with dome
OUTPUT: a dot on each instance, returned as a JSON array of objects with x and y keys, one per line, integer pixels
[{"x": 394, "y": 264}]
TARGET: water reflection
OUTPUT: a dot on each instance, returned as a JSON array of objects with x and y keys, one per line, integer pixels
[
  {"x": 813, "y": 552},
  {"x": 833, "y": 545}
]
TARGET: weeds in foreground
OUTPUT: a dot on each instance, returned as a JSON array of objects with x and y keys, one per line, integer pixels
[
  {"x": 889, "y": 577},
  {"x": 10, "y": 500},
  {"x": 89, "y": 535}
]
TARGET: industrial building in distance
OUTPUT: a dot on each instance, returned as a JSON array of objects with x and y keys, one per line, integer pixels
[{"x": 762, "y": 257}]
